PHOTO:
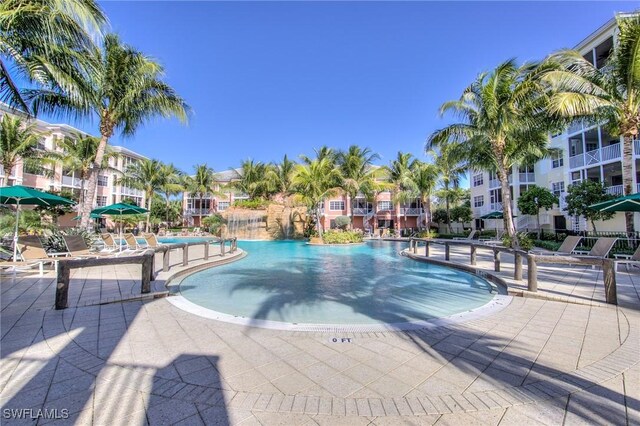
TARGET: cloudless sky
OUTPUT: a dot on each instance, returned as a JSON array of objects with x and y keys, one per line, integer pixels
[{"x": 269, "y": 78}]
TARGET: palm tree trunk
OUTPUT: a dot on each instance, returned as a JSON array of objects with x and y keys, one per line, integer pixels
[
  {"x": 318, "y": 224},
  {"x": 427, "y": 212},
  {"x": 93, "y": 179},
  {"x": 146, "y": 225},
  {"x": 627, "y": 178},
  {"x": 506, "y": 207},
  {"x": 350, "y": 199},
  {"x": 7, "y": 171},
  {"x": 167, "y": 206}
]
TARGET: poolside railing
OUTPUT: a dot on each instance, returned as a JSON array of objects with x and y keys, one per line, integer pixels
[{"x": 608, "y": 265}]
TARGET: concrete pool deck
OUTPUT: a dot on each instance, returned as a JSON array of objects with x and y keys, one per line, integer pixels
[{"x": 145, "y": 361}]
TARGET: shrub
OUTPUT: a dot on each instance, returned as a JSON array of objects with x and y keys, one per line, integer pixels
[
  {"x": 342, "y": 237},
  {"x": 427, "y": 234},
  {"x": 256, "y": 204},
  {"x": 213, "y": 223},
  {"x": 526, "y": 242},
  {"x": 548, "y": 245},
  {"x": 55, "y": 244},
  {"x": 342, "y": 222}
]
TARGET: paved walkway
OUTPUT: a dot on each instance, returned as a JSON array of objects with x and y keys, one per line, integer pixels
[{"x": 146, "y": 361}]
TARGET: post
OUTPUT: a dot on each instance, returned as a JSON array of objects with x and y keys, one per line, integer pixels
[
  {"x": 609, "y": 273},
  {"x": 165, "y": 259},
  {"x": 496, "y": 260},
  {"x": 147, "y": 261},
  {"x": 234, "y": 244},
  {"x": 446, "y": 251},
  {"x": 185, "y": 254},
  {"x": 62, "y": 286},
  {"x": 414, "y": 246},
  {"x": 222, "y": 247},
  {"x": 517, "y": 266},
  {"x": 532, "y": 273},
  {"x": 426, "y": 248},
  {"x": 472, "y": 254},
  {"x": 206, "y": 250},
  {"x": 152, "y": 270}
]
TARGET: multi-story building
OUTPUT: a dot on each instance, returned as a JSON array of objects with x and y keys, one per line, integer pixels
[
  {"x": 584, "y": 151},
  {"x": 108, "y": 191}
]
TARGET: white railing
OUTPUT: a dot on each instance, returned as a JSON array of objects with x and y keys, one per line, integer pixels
[
  {"x": 615, "y": 190},
  {"x": 495, "y": 183},
  {"x": 595, "y": 156},
  {"x": 611, "y": 152},
  {"x": 527, "y": 177},
  {"x": 636, "y": 146},
  {"x": 361, "y": 211},
  {"x": 125, "y": 190},
  {"x": 576, "y": 161},
  {"x": 72, "y": 181},
  {"x": 592, "y": 157},
  {"x": 410, "y": 211},
  {"x": 198, "y": 212},
  {"x": 495, "y": 207}
]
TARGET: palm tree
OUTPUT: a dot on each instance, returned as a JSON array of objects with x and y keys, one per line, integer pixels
[
  {"x": 78, "y": 156},
  {"x": 125, "y": 91},
  {"x": 425, "y": 178},
  {"x": 501, "y": 124},
  {"x": 399, "y": 178},
  {"x": 144, "y": 175},
  {"x": 324, "y": 152},
  {"x": 610, "y": 94},
  {"x": 314, "y": 182},
  {"x": 450, "y": 168},
  {"x": 357, "y": 174},
  {"x": 252, "y": 179},
  {"x": 170, "y": 183},
  {"x": 202, "y": 183},
  {"x": 18, "y": 141},
  {"x": 280, "y": 177},
  {"x": 47, "y": 42}
]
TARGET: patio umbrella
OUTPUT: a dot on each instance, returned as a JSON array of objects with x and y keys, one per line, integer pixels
[
  {"x": 119, "y": 209},
  {"x": 492, "y": 215},
  {"x": 628, "y": 203},
  {"x": 92, "y": 216},
  {"x": 23, "y": 195}
]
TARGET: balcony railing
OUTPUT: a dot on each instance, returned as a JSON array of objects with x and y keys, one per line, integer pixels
[
  {"x": 198, "y": 212},
  {"x": 495, "y": 207},
  {"x": 72, "y": 181},
  {"x": 636, "y": 146},
  {"x": 615, "y": 190},
  {"x": 527, "y": 177},
  {"x": 495, "y": 183},
  {"x": 362, "y": 211},
  {"x": 125, "y": 190},
  {"x": 411, "y": 211},
  {"x": 596, "y": 156}
]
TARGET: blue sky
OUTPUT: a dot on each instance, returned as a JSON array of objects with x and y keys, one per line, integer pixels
[{"x": 269, "y": 78}]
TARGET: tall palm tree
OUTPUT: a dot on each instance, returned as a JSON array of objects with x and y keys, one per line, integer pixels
[
  {"x": 450, "y": 167},
  {"x": 501, "y": 124},
  {"x": 357, "y": 174},
  {"x": 280, "y": 177},
  {"x": 610, "y": 94},
  {"x": 399, "y": 178},
  {"x": 324, "y": 152},
  {"x": 425, "y": 178},
  {"x": 170, "y": 183},
  {"x": 125, "y": 91},
  {"x": 144, "y": 175},
  {"x": 78, "y": 155},
  {"x": 315, "y": 181},
  {"x": 202, "y": 183},
  {"x": 19, "y": 141},
  {"x": 252, "y": 179},
  {"x": 47, "y": 42}
]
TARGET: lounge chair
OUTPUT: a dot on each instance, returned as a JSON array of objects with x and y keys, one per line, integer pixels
[
  {"x": 602, "y": 247},
  {"x": 131, "y": 243},
  {"x": 152, "y": 240},
  {"x": 32, "y": 253},
  {"x": 77, "y": 247},
  {"x": 493, "y": 240},
  {"x": 109, "y": 242},
  {"x": 629, "y": 259},
  {"x": 471, "y": 236},
  {"x": 566, "y": 248}
]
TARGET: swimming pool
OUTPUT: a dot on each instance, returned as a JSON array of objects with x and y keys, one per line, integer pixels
[{"x": 294, "y": 283}]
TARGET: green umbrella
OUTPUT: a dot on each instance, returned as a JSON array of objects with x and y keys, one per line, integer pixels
[
  {"x": 119, "y": 209},
  {"x": 493, "y": 215},
  {"x": 22, "y": 195},
  {"x": 92, "y": 216},
  {"x": 628, "y": 203}
]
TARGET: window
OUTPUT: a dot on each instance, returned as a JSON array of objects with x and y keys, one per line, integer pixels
[
  {"x": 101, "y": 200},
  {"x": 336, "y": 205},
  {"x": 223, "y": 205},
  {"x": 103, "y": 180},
  {"x": 385, "y": 205},
  {"x": 478, "y": 179},
  {"x": 478, "y": 201},
  {"x": 41, "y": 145},
  {"x": 34, "y": 169},
  {"x": 557, "y": 188},
  {"x": 557, "y": 160}
]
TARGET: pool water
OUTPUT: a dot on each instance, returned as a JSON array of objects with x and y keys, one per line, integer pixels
[{"x": 294, "y": 282}]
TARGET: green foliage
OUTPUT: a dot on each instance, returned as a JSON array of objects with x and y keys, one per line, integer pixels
[
  {"x": 536, "y": 198},
  {"x": 342, "y": 222},
  {"x": 581, "y": 195},
  {"x": 213, "y": 223},
  {"x": 256, "y": 204},
  {"x": 55, "y": 211},
  {"x": 334, "y": 236},
  {"x": 55, "y": 244},
  {"x": 549, "y": 245},
  {"x": 461, "y": 213},
  {"x": 427, "y": 234},
  {"x": 30, "y": 222},
  {"x": 439, "y": 215},
  {"x": 524, "y": 240}
]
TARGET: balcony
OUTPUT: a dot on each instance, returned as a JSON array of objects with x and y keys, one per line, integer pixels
[
  {"x": 495, "y": 207},
  {"x": 596, "y": 156},
  {"x": 495, "y": 183},
  {"x": 617, "y": 190},
  {"x": 125, "y": 190},
  {"x": 526, "y": 177},
  {"x": 198, "y": 212},
  {"x": 362, "y": 211},
  {"x": 410, "y": 211},
  {"x": 72, "y": 181}
]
